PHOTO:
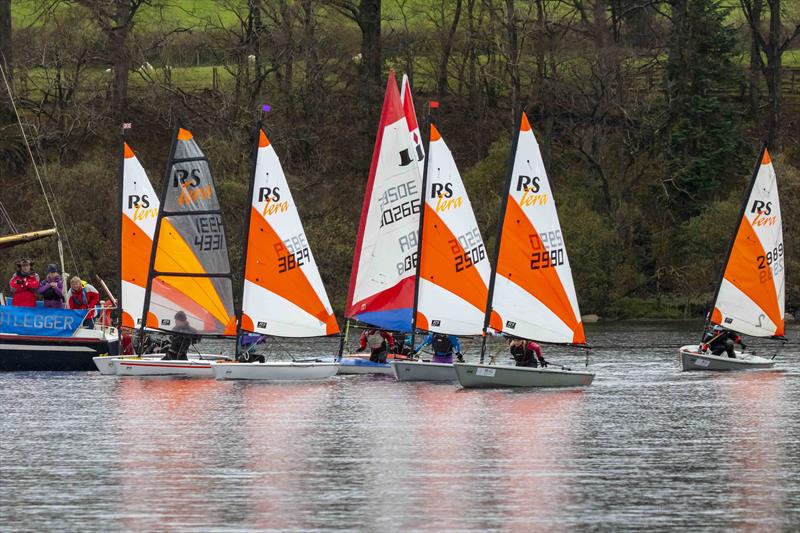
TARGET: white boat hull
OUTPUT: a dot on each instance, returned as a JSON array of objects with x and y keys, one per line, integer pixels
[
  {"x": 134, "y": 366},
  {"x": 360, "y": 365},
  {"x": 105, "y": 363},
  {"x": 423, "y": 371},
  {"x": 693, "y": 359},
  {"x": 486, "y": 376},
  {"x": 275, "y": 371}
]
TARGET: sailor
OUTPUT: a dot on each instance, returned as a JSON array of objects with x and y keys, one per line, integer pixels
[
  {"x": 82, "y": 295},
  {"x": 24, "y": 285},
  {"x": 443, "y": 347},
  {"x": 183, "y": 336},
  {"x": 526, "y": 353},
  {"x": 378, "y": 341},
  {"x": 718, "y": 340},
  {"x": 52, "y": 288}
]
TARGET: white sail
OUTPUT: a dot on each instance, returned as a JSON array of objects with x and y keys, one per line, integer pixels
[
  {"x": 534, "y": 294},
  {"x": 139, "y": 212},
  {"x": 283, "y": 291},
  {"x": 751, "y": 295},
  {"x": 454, "y": 266},
  {"x": 384, "y": 264}
]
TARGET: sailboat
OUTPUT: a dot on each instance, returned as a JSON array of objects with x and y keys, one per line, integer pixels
[
  {"x": 750, "y": 295},
  {"x": 283, "y": 293},
  {"x": 454, "y": 270},
  {"x": 381, "y": 292},
  {"x": 189, "y": 271},
  {"x": 44, "y": 338},
  {"x": 531, "y": 290},
  {"x": 138, "y": 204}
]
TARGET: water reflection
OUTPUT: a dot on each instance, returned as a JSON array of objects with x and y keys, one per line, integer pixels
[
  {"x": 752, "y": 399},
  {"x": 163, "y": 448}
]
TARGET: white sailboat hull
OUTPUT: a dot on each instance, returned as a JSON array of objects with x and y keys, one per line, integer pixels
[
  {"x": 275, "y": 371},
  {"x": 693, "y": 359},
  {"x": 134, "y": 366},
  {"x": 487, "y": 376},
  {"x": 423, "y": 371},
  {"x": 362, "y": 365},
  {"x": 105, "y": 363}
]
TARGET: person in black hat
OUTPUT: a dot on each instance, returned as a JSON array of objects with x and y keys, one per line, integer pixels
[
  {"x": 52, "y": 288},
  {"x": 183, "y": 336},
  {"x": 24, "y": 284}
]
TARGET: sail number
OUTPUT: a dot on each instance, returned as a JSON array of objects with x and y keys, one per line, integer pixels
[
  {"x": 391, "y": 210},
  {"x": 209, "y": 235},
  {"x": 292, "y": 253},
  {"x": 548, "y": 249},
  {"x": 771, "y": 263},
  {"x": 467, "y": 249}
]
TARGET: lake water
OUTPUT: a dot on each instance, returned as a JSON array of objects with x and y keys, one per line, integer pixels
[{"x": 645, "y": 446}]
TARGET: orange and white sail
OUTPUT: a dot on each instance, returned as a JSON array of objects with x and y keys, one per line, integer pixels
[
  {"x": 751, "y": 294},
  {"x": 533, "y": 296},
  {"x": 454, "y": 268},
  {"x": 283, "y": 291},
  {"x": 191, "y": 271},
  {"x": 139, "y": 211}
]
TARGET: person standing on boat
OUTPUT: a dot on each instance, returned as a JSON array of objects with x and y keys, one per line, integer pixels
[
  {"x": 183, "y": 336},
  {"x": 82, "y": 295},
  {"x": 526, "y": 353},
  {"x": 718, "y": 340},
  {"x": 443, "y": 347},
  {"x": 378, "y": 341},
  {"x": 52, "y": 288},
  {"x": 24, "y": 285}
]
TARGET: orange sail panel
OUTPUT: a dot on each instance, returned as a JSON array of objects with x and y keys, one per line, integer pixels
[
  {"x": 454, "y": 266},
  {"x": 139, "y": 211},
  {"x": 534, "y": 293},
  {"x": 751, "y": 295},
  {"x": 283, "y": 292},
  {"x": 191, "y": 271}
]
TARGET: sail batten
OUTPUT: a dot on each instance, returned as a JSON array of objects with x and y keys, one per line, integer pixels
[
  {"x": 750, "y": 297},
  {"x": 532, "y": 291},
  {"x": 283, "y": 291}
]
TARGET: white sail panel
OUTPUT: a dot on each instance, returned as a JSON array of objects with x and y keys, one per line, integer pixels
[
  {"x": 751, "y": 297},
  {"x": 139, "y": 212},
  {"x": 384, "y": 266},
  {"x": 453, "y": 257},
  {"x": 413, "y": 125},
  {"x": 280, "y": 267},
  {"x": 532, "y": 260}
]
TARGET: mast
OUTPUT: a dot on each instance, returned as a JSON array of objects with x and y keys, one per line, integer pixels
[
  {"x": 501, "y": 220},
  {"x": 253, "y": 162},
  {"x": 739, "y": 222},
  {"x": 156, "y": 234},
  {"x": 120, "y": 200},
  {"x": 423, "y": 194}
]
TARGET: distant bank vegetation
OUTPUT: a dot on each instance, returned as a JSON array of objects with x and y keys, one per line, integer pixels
[{"x": 649, "y": 114}]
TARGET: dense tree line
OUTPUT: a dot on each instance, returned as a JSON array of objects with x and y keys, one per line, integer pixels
[{"x": 649, "y": 113}]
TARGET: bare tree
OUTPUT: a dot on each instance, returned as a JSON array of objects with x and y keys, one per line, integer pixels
[{"x": 773, "y": 45}]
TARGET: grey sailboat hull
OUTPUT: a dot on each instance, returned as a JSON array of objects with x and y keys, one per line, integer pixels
[
  {"x": 487, "y": 376},
  {"x": 423, "y": 371},
  {"x": 693, "y": 359}
]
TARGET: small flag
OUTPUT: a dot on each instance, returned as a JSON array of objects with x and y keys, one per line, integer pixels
[
  {"x": 126, "y": 125},
  {"x": 434, "y": 104},
  {"x": 266, "y": 108}
]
